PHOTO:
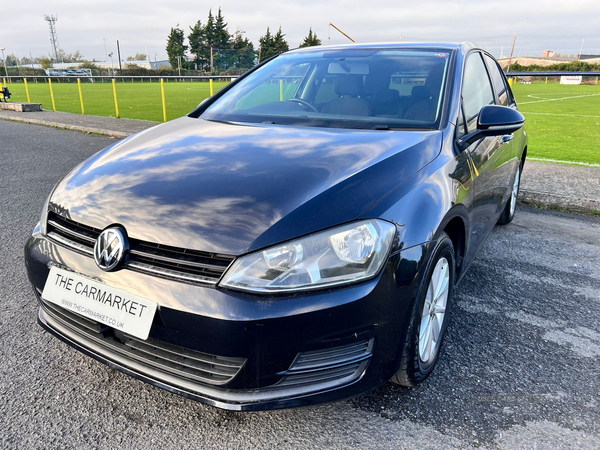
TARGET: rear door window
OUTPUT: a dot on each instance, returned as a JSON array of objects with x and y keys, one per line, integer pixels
[{"x": 498, "y": 81}]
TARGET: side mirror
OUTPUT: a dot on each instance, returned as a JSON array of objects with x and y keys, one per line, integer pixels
[{"x": 494, "y": 120}]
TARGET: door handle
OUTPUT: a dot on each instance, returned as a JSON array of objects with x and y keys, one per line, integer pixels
[{"x": 507, "y": 138}]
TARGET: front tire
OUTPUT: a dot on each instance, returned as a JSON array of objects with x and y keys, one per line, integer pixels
[{"x": 429, "y": 318}]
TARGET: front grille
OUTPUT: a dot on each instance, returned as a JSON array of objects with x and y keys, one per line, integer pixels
[
  {"x": 161, "y": 260},
  {"x": 342, "y": 364},
  {"x": 171, "y": 359}
]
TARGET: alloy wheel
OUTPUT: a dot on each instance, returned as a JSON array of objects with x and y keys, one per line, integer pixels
[
  {"x": 515, "y": 193},
  {"x": 434, "y": 311}
]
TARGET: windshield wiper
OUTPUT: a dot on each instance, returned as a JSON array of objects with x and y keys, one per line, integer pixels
[{"x": 381, "y": 127}]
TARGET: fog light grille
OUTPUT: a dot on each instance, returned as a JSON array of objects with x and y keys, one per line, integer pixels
[{"x": 343, "y": 364}]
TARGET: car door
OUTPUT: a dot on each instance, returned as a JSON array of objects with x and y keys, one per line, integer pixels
[
  {"x": 487, "y": 155},
  {"x": 510, "y": 147}
]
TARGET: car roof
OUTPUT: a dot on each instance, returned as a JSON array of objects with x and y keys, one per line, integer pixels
[{"x": 464, "y": 47}]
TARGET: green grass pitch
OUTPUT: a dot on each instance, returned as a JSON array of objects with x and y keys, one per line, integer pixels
[{"x": 563, "y": 121}]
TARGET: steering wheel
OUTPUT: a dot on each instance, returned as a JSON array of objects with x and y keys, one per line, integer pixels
[{"x": 303, "y": 103}]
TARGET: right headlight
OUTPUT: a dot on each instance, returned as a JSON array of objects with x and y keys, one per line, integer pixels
[{"x": 344, "y": 254}]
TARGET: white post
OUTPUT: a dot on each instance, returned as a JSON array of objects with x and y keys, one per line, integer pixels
[
  {"x": 4, "y": 59},
  {"x": 580, "y": 50}
]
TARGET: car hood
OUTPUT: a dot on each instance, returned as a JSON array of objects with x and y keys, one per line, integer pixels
[{"x": 232, "y": 188}]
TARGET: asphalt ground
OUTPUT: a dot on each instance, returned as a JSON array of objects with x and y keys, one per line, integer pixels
[{"x": 520, "y": 367}]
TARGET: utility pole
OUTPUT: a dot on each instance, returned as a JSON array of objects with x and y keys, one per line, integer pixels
[
  {"x": 580, "y": 50},
  {"x": 112, "y": 66},
  {"x": 31, "y": 59},
  {"x": 105, "y": 52},
  {"x": 511, "y": 53},
  {"x": 53, "y": 35},
  {"x": 332, "y": 25},
  {"x": 179, "y": 64},
  {"x": 119, "y": 54}
]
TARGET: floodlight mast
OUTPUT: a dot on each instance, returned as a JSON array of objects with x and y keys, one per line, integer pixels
[{"x": 53, "y": 36}]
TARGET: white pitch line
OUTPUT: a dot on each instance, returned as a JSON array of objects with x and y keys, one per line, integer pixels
[
  {"x": 551, "y": 93},
  {"x": 557, "y": 99},
  {"x": 558, "y": 114},
  {"x": 560, "y": 161}
]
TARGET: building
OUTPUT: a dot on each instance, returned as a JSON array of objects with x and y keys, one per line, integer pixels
[{"x": 540, "y": 61}]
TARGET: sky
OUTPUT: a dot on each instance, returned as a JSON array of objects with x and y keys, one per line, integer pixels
[{"x": 561, "y": 26}]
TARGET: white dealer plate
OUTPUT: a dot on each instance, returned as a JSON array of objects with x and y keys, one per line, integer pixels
[{"x": 104, "y": 304}]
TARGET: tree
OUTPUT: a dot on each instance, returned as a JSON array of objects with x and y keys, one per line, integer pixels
[
  {"x": 220, "y": 34},
  {"x": 209, "y": 29},
  {"x": 137, "y": 57},
  {"x": 244, "y": 54},
  {"x": 46, "y": 63},
  {"x": 266, "y": 44},
  {"x": 280, "y": 43},
  {"x": 271, "y": 45},
  {"x": 12, "y": 60},
  {"x": 311, "y": 40},
  {"x": 176, "y": 47},
  {"x": 199, "y": 45},
  {"x": 75, "y": 57}
]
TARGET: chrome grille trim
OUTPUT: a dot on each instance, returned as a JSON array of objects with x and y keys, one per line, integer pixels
[
  {"x": 162, "y": 272},
  {"x": 71, "y": 232},
  {"x": 66, "y": 242},
  {"x": 188, "y": 266},
  {"x": 175, "y": 261}
]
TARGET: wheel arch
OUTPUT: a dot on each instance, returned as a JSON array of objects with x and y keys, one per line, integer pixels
[{"x": 454, "y": 225}]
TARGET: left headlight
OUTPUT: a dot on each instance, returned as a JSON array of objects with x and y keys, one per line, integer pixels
[{"x": 344, "y": 254}]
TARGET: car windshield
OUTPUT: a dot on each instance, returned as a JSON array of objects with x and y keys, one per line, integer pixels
[{"x": 350, "y": 88}]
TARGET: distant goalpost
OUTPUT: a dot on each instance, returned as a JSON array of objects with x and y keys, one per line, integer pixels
[{"x": 77, "y": 73}]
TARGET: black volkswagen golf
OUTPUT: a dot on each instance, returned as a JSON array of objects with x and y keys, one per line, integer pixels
[{"x": 295, "y": 239}]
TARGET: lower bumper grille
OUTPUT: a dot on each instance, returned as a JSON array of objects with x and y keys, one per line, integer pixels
[
  {"x": 174, "y": 360},
  {"x": 344, "y": 363},
  {"x": 200, "y": 375}
]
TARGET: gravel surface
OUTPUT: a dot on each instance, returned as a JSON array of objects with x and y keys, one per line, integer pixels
[{"x": 520, "y": 367}]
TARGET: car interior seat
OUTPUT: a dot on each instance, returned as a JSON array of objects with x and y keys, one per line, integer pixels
[
  {"x": 349, "y": 88},
  {"x": 424, "y": 98}
]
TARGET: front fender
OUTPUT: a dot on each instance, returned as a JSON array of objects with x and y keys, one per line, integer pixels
[{"x": 429, "y": 200}]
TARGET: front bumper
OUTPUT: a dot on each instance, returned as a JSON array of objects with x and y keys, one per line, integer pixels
[{"x": 297, "y": 350}]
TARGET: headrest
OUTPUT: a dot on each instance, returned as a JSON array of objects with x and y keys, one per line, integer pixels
[
  {"x": 420, "y": 93},
  {"x": 385, "y": 96},
  {"x": 351, "y": 85}
]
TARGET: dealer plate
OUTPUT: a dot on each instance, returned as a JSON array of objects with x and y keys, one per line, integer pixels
[{"x": 104, "y": 304}]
